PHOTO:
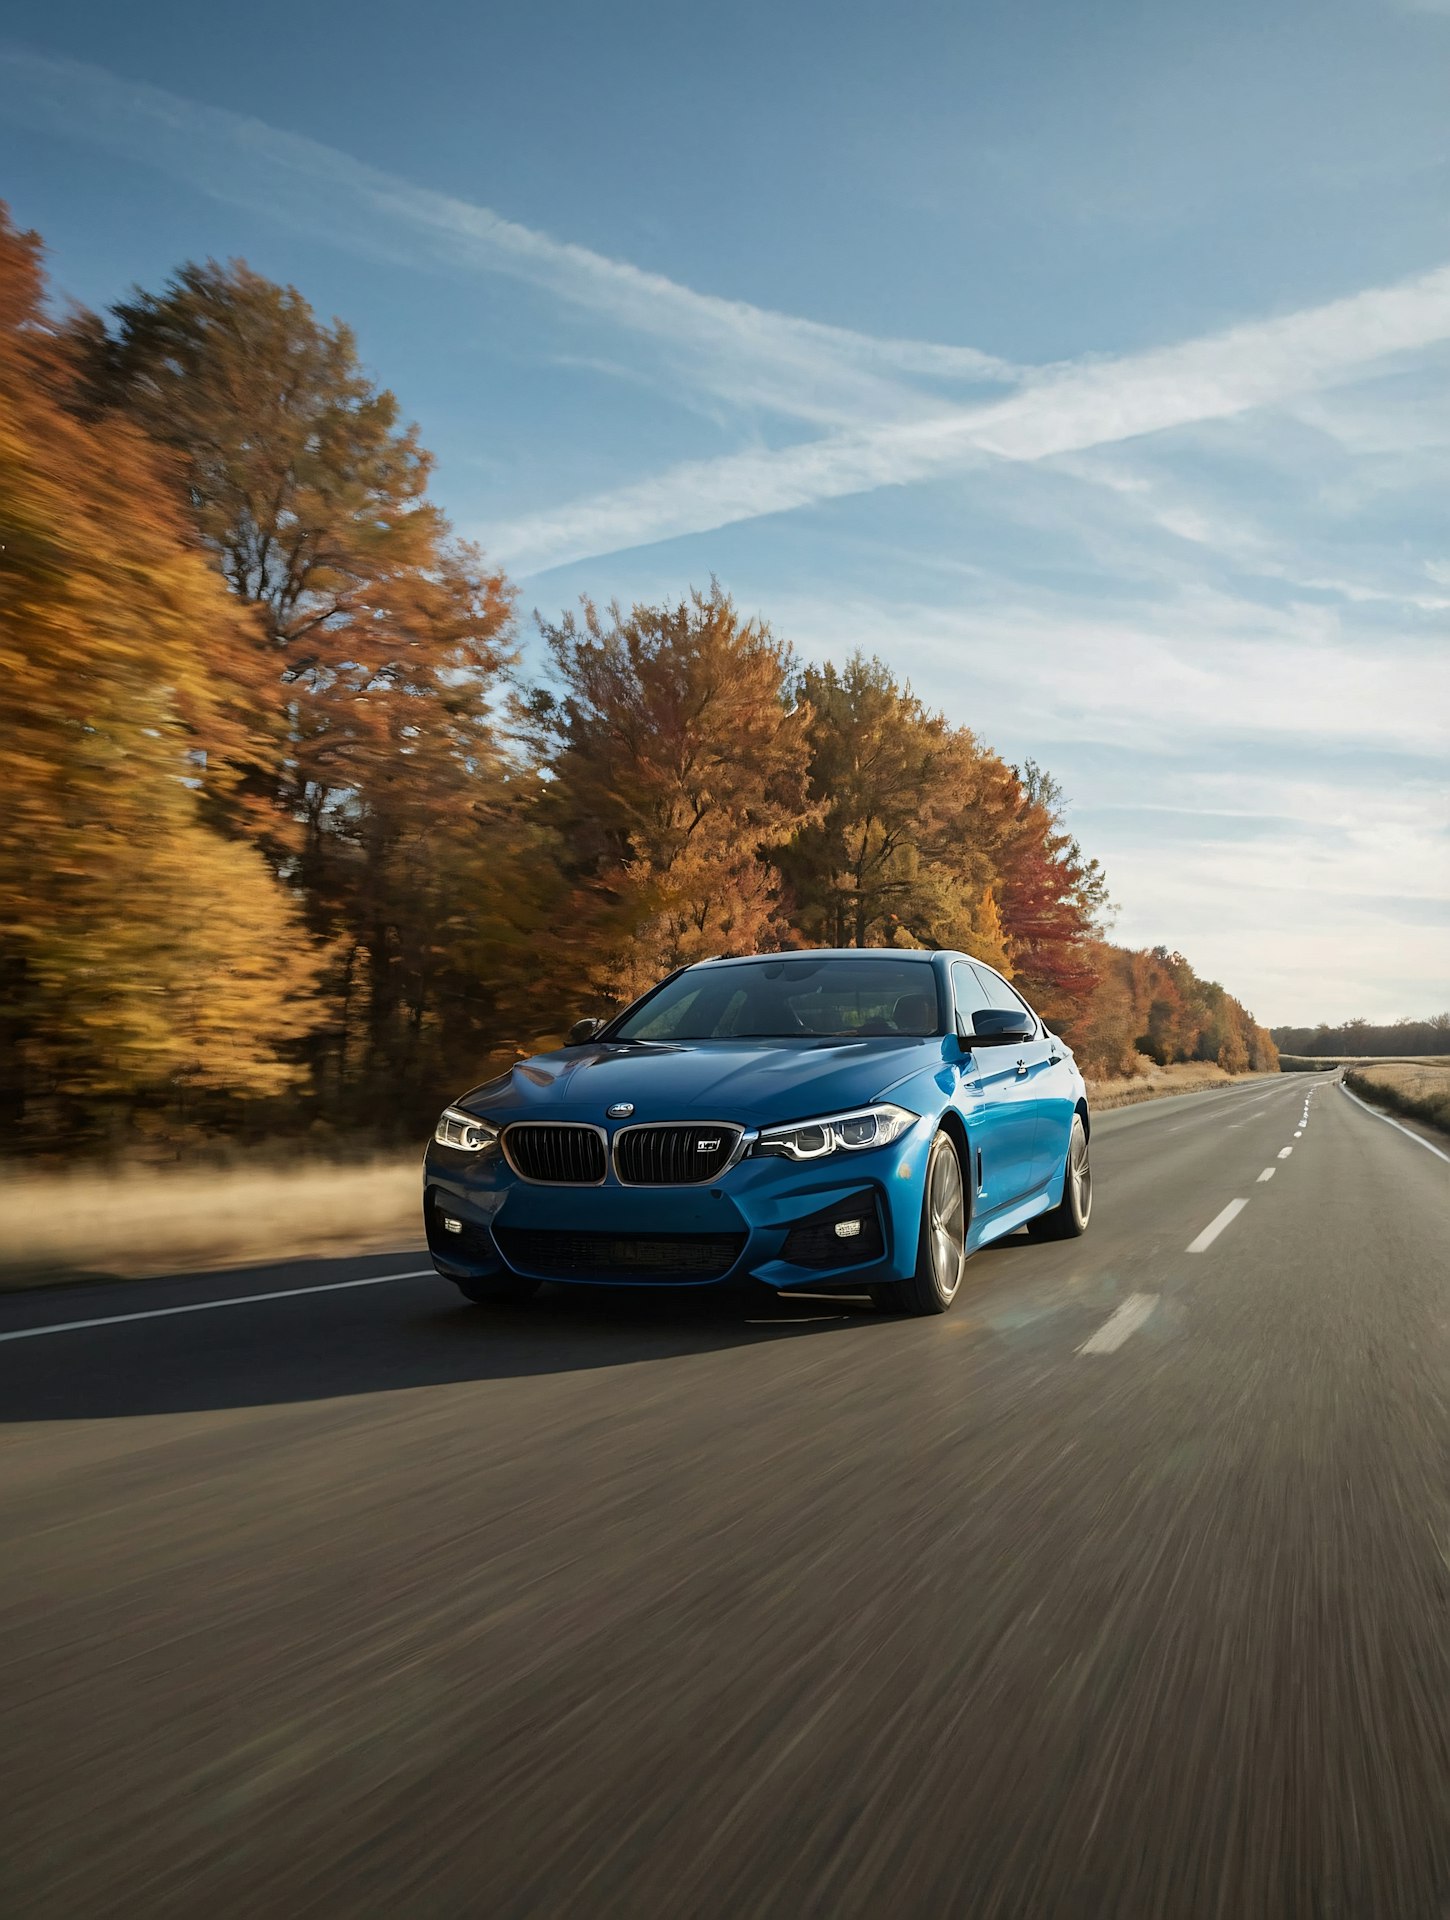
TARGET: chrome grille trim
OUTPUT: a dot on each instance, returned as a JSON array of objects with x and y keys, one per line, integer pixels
[
  {"x": 553, "y": 1163},
  {"x": 661, "y": 1158}
]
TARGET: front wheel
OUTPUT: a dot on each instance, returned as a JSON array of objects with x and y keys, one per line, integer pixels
[
  {"x": 942, "y": 1245},
  {"x": 1070, "y": 1216}
]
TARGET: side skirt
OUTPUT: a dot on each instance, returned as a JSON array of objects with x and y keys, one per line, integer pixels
[{"x": 1010, "y": 1218}]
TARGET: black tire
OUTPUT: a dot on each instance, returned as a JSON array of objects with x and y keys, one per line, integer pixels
[
  {"x": 941, "y": 1255},
  {"x": 1070, "y": 1216},
  {"x": 509, "y": 1289}
]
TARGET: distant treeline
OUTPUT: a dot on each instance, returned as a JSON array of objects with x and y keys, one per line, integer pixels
[
  {"x": 292, "y": 845},
  {"x": 1364, "y": 1037}
]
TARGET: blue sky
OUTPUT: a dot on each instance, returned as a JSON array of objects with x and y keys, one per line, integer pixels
[{"x": 1090, "y": 364}]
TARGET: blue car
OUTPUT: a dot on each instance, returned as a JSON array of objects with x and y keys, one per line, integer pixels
[{"x": 836, "y": 1120}]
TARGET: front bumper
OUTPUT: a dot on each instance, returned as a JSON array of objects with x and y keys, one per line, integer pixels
[{"x": 768, "y": 1219}]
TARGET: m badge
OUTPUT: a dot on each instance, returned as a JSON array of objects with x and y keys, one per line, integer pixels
[{"x": 708, "y": 1146}]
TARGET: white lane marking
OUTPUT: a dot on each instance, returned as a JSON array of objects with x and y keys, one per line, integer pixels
[
  {"x": 1300, "y": 1134},
  {"x": 1408, "y": 1132},
  {"x": 1267, "y": 1174},
  {"x": 206, "y": 1306},
  {"x": 1284, "y": 1152},
  {"x": 1216, "y": 1226},
  {"x": 1115, "y": 1330}
]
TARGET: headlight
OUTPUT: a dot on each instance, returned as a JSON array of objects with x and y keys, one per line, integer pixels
[
  {"x": 874, "y": 1126},
  {"x": 464, "y": 1132}
]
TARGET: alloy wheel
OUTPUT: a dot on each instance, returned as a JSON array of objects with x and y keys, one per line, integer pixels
[
  {"x": 1080, "y": 1173},
  {"x": 947, "y": 1219}
]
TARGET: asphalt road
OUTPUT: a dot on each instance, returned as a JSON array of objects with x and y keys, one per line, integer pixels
[{"x": 1124, "y": 1589}]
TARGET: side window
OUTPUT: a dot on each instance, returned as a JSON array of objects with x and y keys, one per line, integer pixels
[
  {"x": 967, "y": 995},
  {"x": 999, "y": 994}
]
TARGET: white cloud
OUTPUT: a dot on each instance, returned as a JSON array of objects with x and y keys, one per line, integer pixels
[
  {"x": 883, "y": 428},
  {"x": 1159, "y": 499},
  {"x": 797, "y": 367},
  {"x": 1229, "y": 761},
  {"x": 1192, "y": 670},
  {"x": 1063, "y": 410}
]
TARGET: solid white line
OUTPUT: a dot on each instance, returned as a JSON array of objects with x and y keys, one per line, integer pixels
[
  {"x": 1408, "y": 1132},
  {"x": 206, "y": 1306},
  {"x": 1284, "y": 1152},
  {"x": 1216, "y": 1226},
  {"x": 1115, "y": 1330},
  {"x": 1267, "y": 1174}
]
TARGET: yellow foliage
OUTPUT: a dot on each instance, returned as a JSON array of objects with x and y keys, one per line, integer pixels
[{"x": 137, "y": 944}]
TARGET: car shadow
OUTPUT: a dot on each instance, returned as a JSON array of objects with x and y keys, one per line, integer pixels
[{"x": 384, "y": 1340}]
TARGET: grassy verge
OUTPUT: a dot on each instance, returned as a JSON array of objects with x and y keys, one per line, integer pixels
[
  {"x": 1187, "y": 1076},
  {"x": 131, "y": 1224},
  {"x": 1419, "y": 1089}
]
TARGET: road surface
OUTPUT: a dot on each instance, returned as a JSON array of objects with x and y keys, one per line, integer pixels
[{"x": 1122, "y": 1590}]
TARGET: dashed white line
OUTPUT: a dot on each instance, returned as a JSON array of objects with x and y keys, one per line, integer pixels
[
  {"x": 1300, "y": 1134},
  {"x": 1284, "y": 1152},
  {"x": 1408, "y": 1132},
  {"x": 1115, "y": 1330},
  {"x": 1216, "y": 1226},
  {"x": 207, "y": 1306},
  {"x": 1267, "y": 1174}
]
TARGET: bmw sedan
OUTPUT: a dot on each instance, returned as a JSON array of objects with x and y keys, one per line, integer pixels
[{"x": 841, "y": 1119}]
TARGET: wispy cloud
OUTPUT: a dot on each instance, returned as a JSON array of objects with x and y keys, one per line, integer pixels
[
  {"x": 1305, "y": 857},
  {"x": 877, "y": 399},
  {"x": 1232, "y": 537},
  {"x": 800, "y": 368},
  {"x": 1062, "y": 410}
]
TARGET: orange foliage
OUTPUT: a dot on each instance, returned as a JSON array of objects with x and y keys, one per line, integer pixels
[{"x": 141, "y": 949}]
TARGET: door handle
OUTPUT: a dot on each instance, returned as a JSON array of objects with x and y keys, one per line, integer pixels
[{"x": 1054, "y": 1059}]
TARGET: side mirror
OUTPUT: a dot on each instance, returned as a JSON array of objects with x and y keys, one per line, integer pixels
[
  {"x": 581, "y": 1031},
  {"x": 1000, "y": 1027}
]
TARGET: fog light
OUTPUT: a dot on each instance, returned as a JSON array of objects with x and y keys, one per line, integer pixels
[
  {"x": 847, "y": 1229},
  {"x": 452, "y": 1226}
]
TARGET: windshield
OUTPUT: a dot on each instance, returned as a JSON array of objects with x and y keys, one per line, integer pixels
[{"x": 790, "y": 999}]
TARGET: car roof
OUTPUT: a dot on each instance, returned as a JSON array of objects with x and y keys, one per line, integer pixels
[{"x": 924, "y": 955}]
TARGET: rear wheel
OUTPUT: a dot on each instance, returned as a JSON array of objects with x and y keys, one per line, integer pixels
[
  {"x": 507, "y": 1290},
  {"x": 942, "y": 1243},
  {"x": 1070, "y": 1216}
]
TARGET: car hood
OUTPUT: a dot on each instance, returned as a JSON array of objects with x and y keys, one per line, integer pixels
[{"x": 749, "y": 1081}]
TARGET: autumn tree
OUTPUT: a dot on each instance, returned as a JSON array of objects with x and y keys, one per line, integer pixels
[
  {"x": 907, "y": 805},
  {"x": 144, "y": 955},
  {"x": 676, "y": 761},
  {"x": 1052, "y": 899},
  {"x": 379, "y": 789}
]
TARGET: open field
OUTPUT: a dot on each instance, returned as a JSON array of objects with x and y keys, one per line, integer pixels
[
  {"x": 1184, "y": 1076},
  {"x": 1327, "y": 1062},
  {"x": 1417, "y": 1088},
  {"x": 133, "y": 1223}
]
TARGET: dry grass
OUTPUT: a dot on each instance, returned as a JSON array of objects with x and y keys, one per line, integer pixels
[
  {"x": 80, "y": 1225},
  {"x": 1417, "y": 1088},
  {"x": 1154, "y": 1082}
]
